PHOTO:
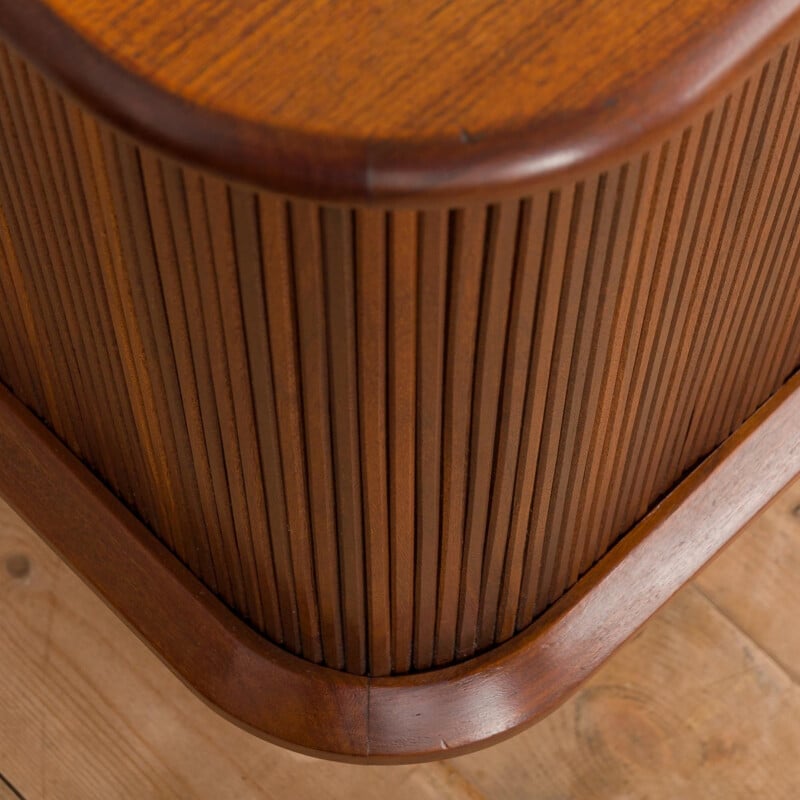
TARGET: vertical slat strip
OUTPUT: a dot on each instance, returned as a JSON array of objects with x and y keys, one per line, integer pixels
[
  {"x": 695, "y": 440},
  {"x": 332, "y": 560},
  {"x": 199, "y": 373},
  {"x": 464, "y": 291},
  {"x": 141, "y": 492},
  {"x": 672, "y": 294},
  {"x": 20, "y": 358},
  {"x": 371, "y": 305},
  {"x": 116, "y": 290},
  {"x": 26, "y": 229},
  {"x": 337, "y": 283},
  {"x": 594, "y": 276},
  {"x": 66, "y": 201},
  {"x": 55, "y": 272},
  {"x": 151, "y": 321},
  {"x": 163, "y": 223},
  {"x": 293, "y": 594},
  {"x": 211, "y": 320},
  {"x": 744, "y": 345},
  {"x": 657, "y": 193},
  {"x": 22, "y": 347},
  {"x": 524, "y": 296},
  {"x": 573, "y": 254},
  {"x": 663, "y": 292},
  {"x": 501, "y": 241},
  {"x": 781, "y": 359},
  {"x": 736, "y": 115},
  {"x": 618, "y": 191},
  {"x": 403, "y": 312},
  {"x": 556, "y": 227},
  {"x": 433, "y": 260},
  {"x": 239, "y": 386},
  {"x": 680, "y": 353},
  {"x": 313, "y": 549}
]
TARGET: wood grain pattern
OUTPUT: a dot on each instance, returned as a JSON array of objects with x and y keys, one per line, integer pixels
[{"x": 389, "y": 438}]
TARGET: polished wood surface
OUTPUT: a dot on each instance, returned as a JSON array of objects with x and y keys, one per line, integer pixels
[
  {"x": 432, "y": 70},
  {"x": 702, "y": 704},
  {"x": 365, "y": 100},
  {"x": 391, "y": 438}
]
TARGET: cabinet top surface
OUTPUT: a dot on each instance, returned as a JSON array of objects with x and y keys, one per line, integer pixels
[
  {"x": 388, "y": 70},
  {"x": 457, "y": 76}
]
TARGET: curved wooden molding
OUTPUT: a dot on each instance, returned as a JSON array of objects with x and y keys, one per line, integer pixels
[
  {"x": 439, "y": 713},
  {"x": 708, "y": 57}
]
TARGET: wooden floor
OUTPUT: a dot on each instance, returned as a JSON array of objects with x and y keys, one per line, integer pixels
[{"x": 703, "y": 703}]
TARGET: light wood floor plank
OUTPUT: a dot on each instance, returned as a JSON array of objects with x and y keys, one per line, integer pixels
[
  {"x": 756, "y": 582},
  {"x": 7, "y": 792}
]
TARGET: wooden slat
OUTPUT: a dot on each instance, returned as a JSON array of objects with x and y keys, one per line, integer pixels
[
  {"x": 432, "y": 258},
  {"x": 403, "y": 232},
  {"x": 293, "y": 592},
  {"x": 372, "y": 329},
  {"x": 238, "y": 383},
  {"x": 313, "y": 558},
  {"x": 333, "y": 275},
  {"x": 166, "y": 248},
  {"x": 577, "y": 231},
  {"x": 464, "y": 290},
  {"x": 558, "y": 215},
  {"x": 194, "y": 363}
]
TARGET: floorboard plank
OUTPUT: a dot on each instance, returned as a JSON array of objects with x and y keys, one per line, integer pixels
[
  {"x": 7, "y": 791},
  {"x": 756, "y": 582}
]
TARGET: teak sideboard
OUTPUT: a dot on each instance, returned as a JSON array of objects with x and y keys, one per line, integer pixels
[{"x": 386, "y": 365}]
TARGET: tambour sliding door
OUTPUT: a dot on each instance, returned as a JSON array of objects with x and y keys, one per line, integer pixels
[{"x": 386, "y": 367}]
